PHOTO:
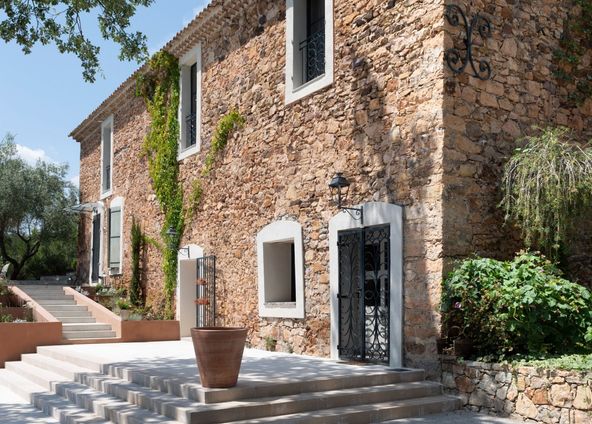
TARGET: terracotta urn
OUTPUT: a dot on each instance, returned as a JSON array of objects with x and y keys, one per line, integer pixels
[{"x": 219, "y": 352}]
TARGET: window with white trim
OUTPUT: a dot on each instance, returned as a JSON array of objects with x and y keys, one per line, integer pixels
[
  {"x": 309, "y": 47},
  {"x": 190, "y": 103},
  {"x": 280, "y": 270},
  {"x": 115, "y": 240},
  {"x": 106, "y": 156}
]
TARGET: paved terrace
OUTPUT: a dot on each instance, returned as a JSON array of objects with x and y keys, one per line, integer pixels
[{"x": 173, "y": 364}]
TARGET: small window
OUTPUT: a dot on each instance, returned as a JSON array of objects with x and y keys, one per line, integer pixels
[
  {"x": 106, "y": 156},
  {"x": 190, "y": 104},
  {"x": 280, "y": 277},
  {"x": 115, "y": 239},
  {"x": 280, "y": 270},
  {"x": 309, "y": 47}
]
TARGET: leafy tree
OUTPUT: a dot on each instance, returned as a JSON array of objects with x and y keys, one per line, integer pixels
[
  {"x": 59, "y": 22},
  {"x": 547, "y": 185},
  {"x": 33, "y": 203}
]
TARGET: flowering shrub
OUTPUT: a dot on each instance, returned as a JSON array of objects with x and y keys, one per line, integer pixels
[{"x": 519, "y": 306}]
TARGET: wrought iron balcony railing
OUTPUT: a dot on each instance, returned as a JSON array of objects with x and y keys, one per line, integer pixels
[
  {"x": 107, "y": 178},
  {"x": 313, "y": 56},
  {"x": 190, "y": 130}
]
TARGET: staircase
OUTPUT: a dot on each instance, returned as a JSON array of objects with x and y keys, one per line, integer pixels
[
  {"x": 76, "y": 389},
  {"x": 77, "y": 322}
]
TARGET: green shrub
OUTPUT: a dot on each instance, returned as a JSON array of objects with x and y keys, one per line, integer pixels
[{"x": 519, "y": 306}]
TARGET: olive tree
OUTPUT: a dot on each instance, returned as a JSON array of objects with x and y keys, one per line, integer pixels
[
  {"x": 60, "y": 22},
  {"x": 33, "y": 207}
]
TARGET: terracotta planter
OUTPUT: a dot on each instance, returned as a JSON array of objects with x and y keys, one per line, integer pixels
[{"x": 219, "y": 351}]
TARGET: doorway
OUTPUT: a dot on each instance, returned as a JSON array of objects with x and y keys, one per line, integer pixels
[{"x": 364, "y": 300}]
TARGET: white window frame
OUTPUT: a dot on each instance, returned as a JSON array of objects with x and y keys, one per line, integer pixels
[
  {"x": 106, "y": 193},
  {"x": 296, "y": 93},
  {"x": 281, "y": 231},
  {"x": 189, "y": 59},
  {"x": 117, "y": 202},
  {"x": 101, "y": 212}
]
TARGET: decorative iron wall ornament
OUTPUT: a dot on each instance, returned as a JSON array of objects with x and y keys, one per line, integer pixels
[{"x": 459, "y": 59}]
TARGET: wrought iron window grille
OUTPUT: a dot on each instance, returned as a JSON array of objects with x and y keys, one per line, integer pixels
[
  {"x": 191, "y": 128},
  {"x": 458, "y": 59},
  {"x": 312, "y": 50}
]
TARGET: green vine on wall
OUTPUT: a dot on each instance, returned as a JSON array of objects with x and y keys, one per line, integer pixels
[
  {"x": 576, "y": 40},
  {"x": 137, "y": 246},
  {"x": 227, "y": 124},
  {"x": 159, "y": 86}
]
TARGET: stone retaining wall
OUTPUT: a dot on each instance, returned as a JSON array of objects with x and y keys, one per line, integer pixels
[{"x": 525, "y": 393}]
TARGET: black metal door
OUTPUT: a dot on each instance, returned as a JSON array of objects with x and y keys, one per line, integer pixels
[
  {"x": 96, "y": 247},
  {"x": 364, "y": 278},
  {"x": 205, "y": 291}
]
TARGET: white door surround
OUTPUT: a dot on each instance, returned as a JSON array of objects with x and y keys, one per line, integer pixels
[
  {"x": 375, "y": 213},
  {"x": 186, "y": 276}
]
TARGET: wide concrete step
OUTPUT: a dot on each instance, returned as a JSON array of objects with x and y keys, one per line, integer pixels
[
  {"x": 86, "y": 327},
  {"x": 196, "y": 392},
  {"x": 79, "y": 319},
  {"x": 65, "y": 308},
  {"x": 187, "y": 411},
  {"x": 51, "y": 296},
  {"x": 54, "y": 302},
  {"x": 19, "y": 385},
  {"x": 99, "y": 404},
  {"x": 41, "y": 377},
  {"x": 369, "y": 413},
  {"x": 62, "y": 368},
  {"x": 88, "y": 334}
]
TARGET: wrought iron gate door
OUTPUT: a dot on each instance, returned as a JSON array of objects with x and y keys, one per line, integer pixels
[
  {"x": 205, "y": 291},
  {"x": 364, "y": 279}
]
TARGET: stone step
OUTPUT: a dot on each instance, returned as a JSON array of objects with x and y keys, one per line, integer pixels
[
  {"x": 69, "y": 327},
  {"x": 88, "y": 334},
  {"x": 50, "y": 296},
  {"x": 79, "y": 319},
  {"x": 195, "y": 392},
  {"x": 371, "y": 413},
  {"x": 106, "y": 406},
  {"x": 62, "y": 368},
  {"x": 187, "y": 411},
  {"x": 65, "y": 308},
  {"x": 62, "y": 354},
  {"x": 64, "y": 411},
  {"x": 19, "y": 385},
  {"x": 54, "y": 302},
  {"x": 39, "y": 376}
]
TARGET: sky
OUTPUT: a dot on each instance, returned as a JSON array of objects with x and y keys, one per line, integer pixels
[{"x": 43, "y": 96}]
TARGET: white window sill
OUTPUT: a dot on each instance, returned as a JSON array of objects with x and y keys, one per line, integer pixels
[
  {"x": 106, "y": 194},
  {"x": 183, "y": 154},
  {"x": 281, "y": 310},
  {"x": 311, "y": 87}
]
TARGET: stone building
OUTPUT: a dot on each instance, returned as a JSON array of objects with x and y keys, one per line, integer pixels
[{"x": 327, "y": 86}]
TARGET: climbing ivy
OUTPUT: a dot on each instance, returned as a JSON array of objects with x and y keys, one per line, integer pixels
[
  {"x": 159, "y": 86},
  {"x": 135, "y": 289},
  {"x": 226, "y": 125},
  {"x": 575, "y": 41}
]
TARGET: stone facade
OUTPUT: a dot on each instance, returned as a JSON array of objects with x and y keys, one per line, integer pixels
[
  {"x": 483, "y": 120},
  {"x": 401, "y": 127},
  {"x": 524, "y": 393}
]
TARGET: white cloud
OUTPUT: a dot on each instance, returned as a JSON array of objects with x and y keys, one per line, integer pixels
[
  {"x": 75, "y": 180},
  {"x": 31, "y": 156}
]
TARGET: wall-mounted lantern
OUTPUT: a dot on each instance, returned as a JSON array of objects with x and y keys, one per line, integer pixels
[
  {"x": 173, "y": 234},
  {"x": 339, "y": 186}
]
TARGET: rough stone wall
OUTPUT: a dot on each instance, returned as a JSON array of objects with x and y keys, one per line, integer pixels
[
  {"x": 525, "y": 393},
  {"x": 131, "y": 181},
  {"x": 484, "y": 119},
  {"x": 380, "y": 123}
]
